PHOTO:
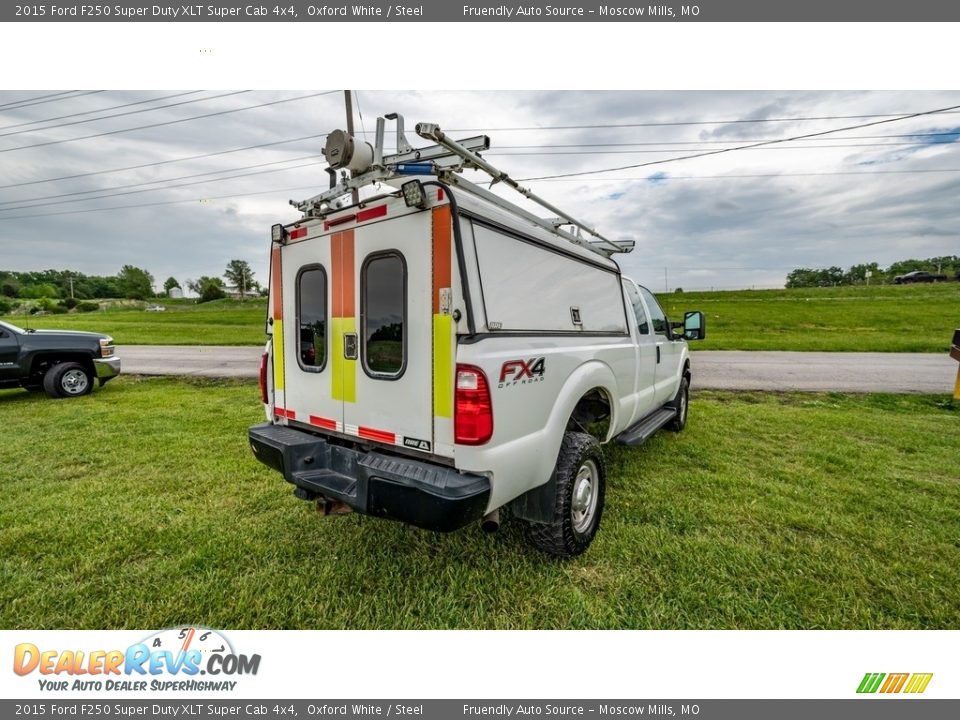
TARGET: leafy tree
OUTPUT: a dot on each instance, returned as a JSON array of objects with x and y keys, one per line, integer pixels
[
  {"x": 208, "y": 288},
  {"x": 39, "y": 290},
  {"x": 135, "y": 283},
  {"x": 169, "y": 284},
  {"x": 239, "y": 274}
]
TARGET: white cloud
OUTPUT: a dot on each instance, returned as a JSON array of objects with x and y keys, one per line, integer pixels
[{"x": 711, "y": 231}]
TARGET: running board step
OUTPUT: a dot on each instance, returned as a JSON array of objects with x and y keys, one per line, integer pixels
[
  {"x": 327, "y": 482},
  {"x": 640, "y": 432}
]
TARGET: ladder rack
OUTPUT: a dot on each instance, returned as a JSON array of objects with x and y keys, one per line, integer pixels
[{"x": 446, "y": 159}]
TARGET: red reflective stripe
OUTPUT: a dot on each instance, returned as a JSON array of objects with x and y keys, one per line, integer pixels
[
  {"x": 439, "y": 193},
  {"x": 339, "y": 221},
  {"x": 371, "y": 213},
  {"x": 323, "y": 422},
  {"x": 289, "y": 414},
  {"x": 374, "y": 434},
  {"x": 298, "y": 233}
]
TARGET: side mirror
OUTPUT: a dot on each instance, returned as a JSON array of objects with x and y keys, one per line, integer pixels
[{"x": 694, "y": 326}]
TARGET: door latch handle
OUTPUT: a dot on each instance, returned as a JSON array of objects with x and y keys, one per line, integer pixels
[
  {"x": 658, "y": 354},
  {"x": 350, "y": 346}
]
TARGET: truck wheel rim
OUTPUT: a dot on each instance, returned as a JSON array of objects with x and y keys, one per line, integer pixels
[
  {"x": 74, "y": 382},
  {"x": 584, "y": 504},
  {"x": 683, "y": 407}
]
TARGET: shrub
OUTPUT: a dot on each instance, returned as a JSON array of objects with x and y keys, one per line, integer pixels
[
  {"x": 5, "y": 306},
  {"x": 59, "y": 309},
  {"x": 87, "y": 307},
  {"x": 69, "y": 303}
]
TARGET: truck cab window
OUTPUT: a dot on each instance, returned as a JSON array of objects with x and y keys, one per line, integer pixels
[
  {"x": 312, "y": 318},
  {"x": 643, "y": 327},
  {"x": 383, "y": 283},
  {"x": 657, "y": 316}
]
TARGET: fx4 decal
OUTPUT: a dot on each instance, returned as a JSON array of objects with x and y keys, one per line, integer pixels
[{"x": 522, "y": 372}]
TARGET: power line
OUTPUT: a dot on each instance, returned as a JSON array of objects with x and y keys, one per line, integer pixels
[
  {"x": 52, "y": 98},
  {"x": 604, "y": 126},
  {"x": 109, "y": 193},
  {"x": 168, "y": 122},
  {"x": 314, "y": 186},
  {"x": 718, "y": 142},
  {"x": 663, "y": 150},
  {"x": 163, "y": 162},
  {"x": 169, "y": 187},
  {"x": 721, "y": 151},
  {"x": 666, "y": 178},
  {"x": 124, "y": 114},
  {"x": 88, "y": 112},
  {"x": 162, "y": 202}
]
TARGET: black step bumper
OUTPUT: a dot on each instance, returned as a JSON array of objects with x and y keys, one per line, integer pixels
[{"x": 373, "y": 483}]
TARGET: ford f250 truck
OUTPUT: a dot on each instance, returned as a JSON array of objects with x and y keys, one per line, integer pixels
[
  {"x": 62, "y": 363},
  {"x": 437, "y": 354}
]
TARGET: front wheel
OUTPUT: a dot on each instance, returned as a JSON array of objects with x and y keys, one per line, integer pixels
[
  {"x": 67, "y": 379},
  {"x": 581, "y": 484},
  {"x": 681, "y": 403}
]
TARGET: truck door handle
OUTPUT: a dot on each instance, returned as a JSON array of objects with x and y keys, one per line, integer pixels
[
  {"x": 658, "y": 354},
  {"x": 350, "y": 346}
]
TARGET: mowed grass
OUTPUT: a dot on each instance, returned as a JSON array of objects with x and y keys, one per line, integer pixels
[
  {"x": 220, "y": 322},
  {"x": 141, "y": 506},
  {"x": 890, "y": 318}
]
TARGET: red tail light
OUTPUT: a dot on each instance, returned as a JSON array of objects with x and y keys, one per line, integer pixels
[
  {"x": 264, "y": 364},
  {"x": 473, "y": 411}
]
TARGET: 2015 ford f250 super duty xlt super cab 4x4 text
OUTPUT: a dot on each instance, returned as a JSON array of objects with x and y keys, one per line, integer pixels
[{"x": 437, "y": 354}]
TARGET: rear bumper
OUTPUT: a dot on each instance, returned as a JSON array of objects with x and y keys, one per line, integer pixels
[
  {"x": 373, "y": 483},
  {"x": 106, "y": 368}
]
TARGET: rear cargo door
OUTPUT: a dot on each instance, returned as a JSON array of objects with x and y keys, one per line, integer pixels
[{"x": 383, "y": 330}]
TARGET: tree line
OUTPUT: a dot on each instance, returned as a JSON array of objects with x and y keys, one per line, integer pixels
[
  {"x": 131, "y": 282},
  {"x": 871, "y": 273}
]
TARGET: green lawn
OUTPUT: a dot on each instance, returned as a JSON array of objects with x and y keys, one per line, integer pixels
[
  {"x": 141, "y": 506},
  {"x": 221, "y": 322},
  {"x": 891, "y": 318}
]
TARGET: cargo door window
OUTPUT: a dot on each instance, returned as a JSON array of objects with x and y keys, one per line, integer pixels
[
  {"x": 383, "y": 309},
  {"x": 312, "y": 318}
]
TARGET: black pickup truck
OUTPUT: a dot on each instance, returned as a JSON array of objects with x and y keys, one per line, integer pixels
[{"x": 62, "y": 363}]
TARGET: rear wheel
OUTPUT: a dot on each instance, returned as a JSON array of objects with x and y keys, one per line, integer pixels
[
  {"x": 67, "y": 379},
  {"x": 581, "y": 484}
]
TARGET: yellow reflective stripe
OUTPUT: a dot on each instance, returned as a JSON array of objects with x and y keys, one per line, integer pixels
[
  {"x": 344, "y": 376},
  {"x": 442, "y": 366},
  {"x": 277, "y": 354}
]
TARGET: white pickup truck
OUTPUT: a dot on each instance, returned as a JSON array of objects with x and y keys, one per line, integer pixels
[{"x": 437, "y": 354}]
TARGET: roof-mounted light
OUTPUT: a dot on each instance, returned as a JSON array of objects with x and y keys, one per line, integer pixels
[
  {"x": 276, "y": 233},
  {"x": 413, "y": 194}
]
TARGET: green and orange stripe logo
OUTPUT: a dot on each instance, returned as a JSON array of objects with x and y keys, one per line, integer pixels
[{"x": 894, "y": 683}]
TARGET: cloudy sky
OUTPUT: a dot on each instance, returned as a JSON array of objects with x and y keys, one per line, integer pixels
[{"x": 95, "y": 180}]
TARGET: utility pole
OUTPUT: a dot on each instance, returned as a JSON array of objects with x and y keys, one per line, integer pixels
[
  {"x": 71, "y": 287},
  {"x": 348, "y": 102}
]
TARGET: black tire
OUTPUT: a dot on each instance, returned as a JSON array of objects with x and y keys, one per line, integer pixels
[
  {"x": 69, "y": 379},
  {"x": 681, "y": 402},
  {"x": 574, "y": 525}
]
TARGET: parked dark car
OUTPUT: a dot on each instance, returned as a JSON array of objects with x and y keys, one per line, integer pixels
[
  {"x": 918, "y": 276},
  {"x": 62, "y": 363}
]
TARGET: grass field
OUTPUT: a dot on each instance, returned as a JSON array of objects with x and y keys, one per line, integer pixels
[
  {"x": 892, "y": 318},
  {"x": 221, "y": 322},
  {"x": 121, "y": 510}
]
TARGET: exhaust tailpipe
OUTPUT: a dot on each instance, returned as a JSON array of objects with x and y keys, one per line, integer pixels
[{"x": 490, "y": 522}]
